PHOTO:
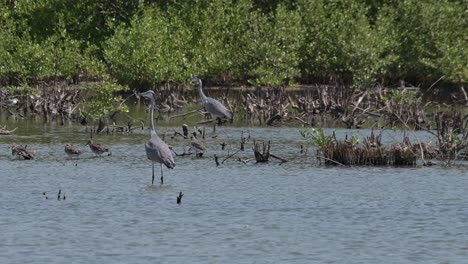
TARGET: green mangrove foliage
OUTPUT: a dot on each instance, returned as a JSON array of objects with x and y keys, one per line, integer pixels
[
  {"x": 316, "y": 136},
  {"x": 102, "y": 101},
  {"x": 272, "y": 43}
]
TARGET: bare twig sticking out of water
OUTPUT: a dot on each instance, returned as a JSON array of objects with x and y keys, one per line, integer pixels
[
  {"x": 185, "y": 130},
  {"x": 185, "y": 114},
  {"x": 179, "y": 198},
  {"x": 303, "y": 150},
  {"x": 278, "y": 158},
  {"x": 177, "y": 133},
  {"x": 264, "y": 155},
  {"x": 206, "y": 122},
  {"x": 242, "y": 141},
  {"x": 4, "y": 131},
  {"x": 216, "y": 160},
  {"x": 414, "y": 134},
  {"x": 246, "y": 160},
  {"x": 185, "y": 153},
  {"x": 228, "y": 157},
  {"x": 184, "y": 133},
  {"x": 334, "y": 161},
  {"x": 465, "y": 94}
]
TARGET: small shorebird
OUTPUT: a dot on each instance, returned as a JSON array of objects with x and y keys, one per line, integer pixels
[
  {"x": 196, "y": 143},
  {"x": 72, "y": 151},
  {"x": 97, "y": 149},
  {"x": 17, "y": 150}
]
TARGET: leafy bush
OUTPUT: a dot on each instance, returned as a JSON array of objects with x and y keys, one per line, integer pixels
[
  {"x": 278, "y": 53},
  {"x": 271, "y": 43},
  {"x": 103, "y": 100},
  {"x": 151, "y": 50}
]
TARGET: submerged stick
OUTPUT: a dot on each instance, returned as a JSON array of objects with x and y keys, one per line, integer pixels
[
  {"x": 278, "y": 158},
  {"x": 3, "y": 131},
  {"x": 184, "y": 114},
  {"x": 230, "y": 156},
  {"x": 179, "y": 198},
  {"x": 334, "y": 161}
]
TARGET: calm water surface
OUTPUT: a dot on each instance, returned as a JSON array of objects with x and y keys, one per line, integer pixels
[{"x": 296, "y": 212}]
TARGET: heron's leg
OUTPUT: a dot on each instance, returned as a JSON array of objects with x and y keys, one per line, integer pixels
[
  {"x": 152, "y": 179},
  {"x": 162, "y": 179}
]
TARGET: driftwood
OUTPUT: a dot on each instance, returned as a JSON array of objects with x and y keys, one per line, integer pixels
[
  {"x": 278, "y": 158},
  {"x": 185, "y": 153},
  {"x": 4, "y": 131},
  {"x": 465, "y": 94},
  {"x": 245, "y": 161},
  {"x": 185, "y": 130},
  {"x": 185, "y": 114},
  {"x": 206, "y": 122},
  {"x": 242, "y": 141},
  {"x": 272, "y": 119},
  {"x": 228, "y": 157}
]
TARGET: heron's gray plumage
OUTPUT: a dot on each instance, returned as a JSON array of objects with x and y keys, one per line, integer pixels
[
  {"x": 156, "y": 149},
  {"x": 211, "y": 105}
]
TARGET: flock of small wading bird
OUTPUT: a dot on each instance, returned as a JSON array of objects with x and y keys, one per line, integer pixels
[{"x": 157, "y": 151}]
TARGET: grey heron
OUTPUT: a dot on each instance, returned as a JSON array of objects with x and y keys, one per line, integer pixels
[
  {"x": 211, "y": 105},
  {"x": 72, "y": 151},
  {"x": 97, "y": 149},
  {"x": 156, "y": 149}
]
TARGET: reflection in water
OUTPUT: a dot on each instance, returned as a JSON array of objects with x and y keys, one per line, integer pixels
[{"x": 293, "y": 212}]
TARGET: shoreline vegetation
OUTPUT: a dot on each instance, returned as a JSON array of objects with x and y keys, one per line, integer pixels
[
  {"x": 145, "y": 44},
  {"x": 345, "y": 63}
]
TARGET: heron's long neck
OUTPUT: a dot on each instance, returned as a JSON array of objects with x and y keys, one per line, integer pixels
[
  {"x": 202, "y": 95},
  {"x": 150, "y": 121}
]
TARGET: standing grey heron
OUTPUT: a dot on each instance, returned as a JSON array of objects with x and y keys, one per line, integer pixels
[
  {"x": 156, "y": 149},
  {"x": 211, "y": 105}
]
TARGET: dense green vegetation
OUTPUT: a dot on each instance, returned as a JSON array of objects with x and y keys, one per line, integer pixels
[{"x": 258, "y": 42}]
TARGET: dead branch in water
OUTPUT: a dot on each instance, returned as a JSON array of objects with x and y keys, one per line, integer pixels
[
  {"x": 185, "y": 114},
  {"x": 278, "y": 158},
  {"x": 4, "y": 131},
  {"x": 206, "y": 122},
  {"x": 228, "y": 157},
  {"x": 264, "y": 155},
  {"x": 334, "y": 161}
]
